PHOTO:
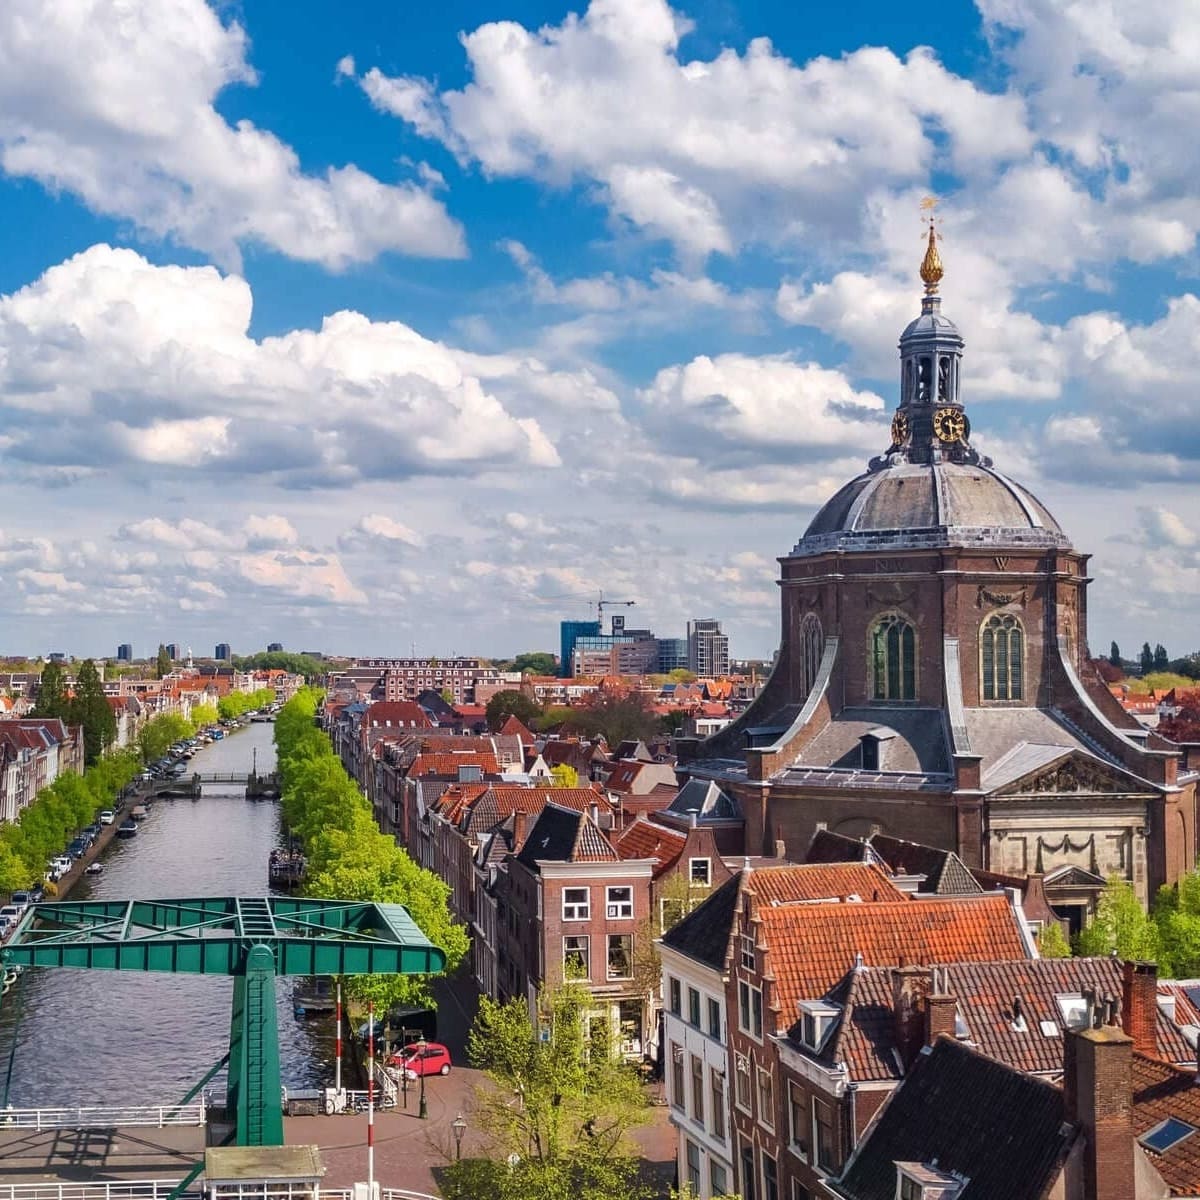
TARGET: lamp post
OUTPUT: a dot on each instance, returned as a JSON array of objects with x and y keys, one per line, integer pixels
[
  {"x": 459, "y": 1125},
  {"x": 419, "y": 1063}
]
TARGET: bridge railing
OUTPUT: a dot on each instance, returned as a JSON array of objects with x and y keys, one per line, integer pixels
[
  {"x": 146, "y": 1189},
  {"x": 151, "y": 1116}
]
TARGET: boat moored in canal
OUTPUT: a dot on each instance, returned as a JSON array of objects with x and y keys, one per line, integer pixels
[
  {"x": 127, "y": 829},
  {"x": 94, "y": 868},
  {"x": 286, "y": 868},
  {"x": 140, "y": 813}
]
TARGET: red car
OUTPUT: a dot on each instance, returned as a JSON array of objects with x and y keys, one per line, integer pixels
[{"x": 432, "y": 1059}]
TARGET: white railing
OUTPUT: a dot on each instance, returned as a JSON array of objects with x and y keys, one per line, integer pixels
[
  {"x": 148, "y": 1189},
  {"x": 154, "y": 1116},
  {"x": 384, "y": 1193}
]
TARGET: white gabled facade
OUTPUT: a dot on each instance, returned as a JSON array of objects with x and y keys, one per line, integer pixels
[{"x": 697, "y": 1078}]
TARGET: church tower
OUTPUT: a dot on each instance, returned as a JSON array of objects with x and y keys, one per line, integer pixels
[{"x": 933, "y": 679}]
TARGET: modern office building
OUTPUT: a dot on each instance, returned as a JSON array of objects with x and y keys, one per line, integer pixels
[
  {"x": 672, "y": 655},
  {"x": 172, "y": 649},
  {"x": 708, "y": 648},
  {"x": 124, "y": 652},
  {"x": 223, "y": 652},
  {"x": 569, "y": 633},
  {"x": 274, "y": 647}
]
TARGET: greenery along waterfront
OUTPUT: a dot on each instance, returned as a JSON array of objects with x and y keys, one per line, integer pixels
[{"x": 348, "y": 857}]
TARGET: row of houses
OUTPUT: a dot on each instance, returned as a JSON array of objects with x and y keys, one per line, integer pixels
[
  {"x": 34, "y": 751},
  {"x": 884, "y": 1027}
]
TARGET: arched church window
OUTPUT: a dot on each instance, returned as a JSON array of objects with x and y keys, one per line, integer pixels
[
  {"x": 812, "y": 644},
  {"x": 894, "y": 658},
  {"x": 1002, "y": 658}
]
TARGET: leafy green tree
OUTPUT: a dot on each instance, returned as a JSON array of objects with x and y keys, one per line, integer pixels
[
  {"x": 160, "y": 733},
  {"x": 1114, "y": 655},
  {"x": 618, "y": 716},
  {"x": 162, "y": 664},
  {"x": 1120, "y": 925},
  {"x": 567, "y": 1134},
  {"x": 1161, "y": 659},
  {"x": 90, "y": 708},
  {"x": 536, "y": 662},
  {"x": 564, "y": 776},
  {"x": 53, "y": 700},
  {"x": 553, "y": 716},
  {"x": 1052, "y": 943},
  {"x": 683, "y": 675},
  {"x": 282, "y": 660},
  {"x": 510, "y": 704},
  {"x": 673, "y": 720},
  {"x": 204, "y": 715},
  {"x": 1146, "y": 659},
  {"x": 1177, "y": 919}
]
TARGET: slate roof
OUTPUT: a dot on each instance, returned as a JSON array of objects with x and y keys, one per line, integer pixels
[
  {"x": 704, "y": 798},
  {"x": 704, "y": 933},
  {"x": 1003, "y": 1130},
  {"x": 811, "y": 946},
  {"x": 1161, "y": 1091},
  {"x": 829, "y": 847},
  {"x": 565, "y": 835},
  {"x": 865, "y": 1038},
  {"x": 919, "y": 744}
]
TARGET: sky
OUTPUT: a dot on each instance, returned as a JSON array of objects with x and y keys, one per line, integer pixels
[{"x": 370, "y": 326}]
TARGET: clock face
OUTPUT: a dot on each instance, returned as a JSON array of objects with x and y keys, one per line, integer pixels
[
  {"x": 950, "y": 424},
  {"x": 899, "y": 429}
]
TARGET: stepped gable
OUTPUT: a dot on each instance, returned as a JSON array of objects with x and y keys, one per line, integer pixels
[
  {"x": 565, "y": 835},
  {"x": 811, "y": 946},
  {"x": 1001, "y": 1131}
]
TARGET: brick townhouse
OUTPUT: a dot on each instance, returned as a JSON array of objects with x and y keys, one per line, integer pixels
[{"x": 776, "y": 940}]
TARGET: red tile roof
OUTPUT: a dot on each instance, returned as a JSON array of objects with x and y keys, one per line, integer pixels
[
  {"x": 821, "y": 881},
  {"x": 1161, "y": 1091},
  {"x": 811, "y": 946},
  {"x": 648, "y": 839},
  {"x": 516, "y": 727},
  {"x": 449, "y": 763},
  {"x": 403, "y": 714}
]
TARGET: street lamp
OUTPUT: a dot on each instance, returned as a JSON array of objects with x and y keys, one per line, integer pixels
[
  {"x": 419, "y": 1063},
  {"x": 459, "y": 1125}
]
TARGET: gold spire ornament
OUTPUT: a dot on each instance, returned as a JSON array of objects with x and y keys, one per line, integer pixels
[{"x": 931, "y": 264}]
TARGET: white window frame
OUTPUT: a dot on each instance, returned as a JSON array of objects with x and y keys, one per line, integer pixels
[
  {"x": 706, "y": 881},
  {"x": 608, "y": 973},
  {"x": 741, "y": 1070},
  {"x": 587, "y": 951},
  {"x": 748, "y": 948},
  {"x": 616, "y": 909},
  {"x": 766, "y": 1113},
  {"x": 570, "y": 908}
]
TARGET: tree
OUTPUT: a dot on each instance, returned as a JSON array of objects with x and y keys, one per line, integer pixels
[
  {"x": 204, "y": 715},
  {"x": 1146, "y": 659},
  {"x": 673, "y": 720},
  {"x": 564, "y": 776},
  {"x": 618, "y": 716},
  {"x": 1184, "y": 726},
  {"x": 510, "y": 704},
  {"x": 1114, "y": 655},
  {"x": 90, "y": 708},
  {"x": 53, "y": 700},
  {"x": 683, "y": 675},
  {"x": 1052, "y": 943},
  {"x": 1120, "y": 925},
  {"x": 160, "y": 733},
  {"x": 536, "y": 662},
  {"x": 1161, "y": 659},
  {"x": 554, "y": 716},
  {"x": 162, "y": 664},
  {"x": 567, "y": 1134}
]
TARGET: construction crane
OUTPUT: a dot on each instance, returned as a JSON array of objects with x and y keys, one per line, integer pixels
[{"x": 602, "y": 604}]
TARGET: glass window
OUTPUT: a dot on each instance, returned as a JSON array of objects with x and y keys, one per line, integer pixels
[
  {"x": 714, "y": 1018},
  {"x": 1002, "y": 658},
  {"x": 894, "y": 659},
  {"x": 620, "y": 955},
  {"x": 677, "y": 1075},
  {"x": 697, "y": 1090},
  {"x": 694, "y": 1007},
  {"x": 718, "y": 1177},
  {"x": 620, "y": 902},
  {"x": 701, "y": 871},
  {"x": 756, "y": 1012},
  {"x": 742, "y": 1082},
  {"x": 824, "y": 1136},
  {"x": 693, "y": 1167},
  {"x": 748, "y": 952},
  {"x": 675, "y": 993},
  {"x": 717, "y": 1087},
  {"x": 749, "y": 1189},
  {"x": 799, "y": 1191},
  {"x": 576, "y": 958},
  {"x": 770, "y": 1178},
  {"x": 766, "y": 1099},
  {"x": 576, "y": 904},
  {"x": 910, "y": 1189}
]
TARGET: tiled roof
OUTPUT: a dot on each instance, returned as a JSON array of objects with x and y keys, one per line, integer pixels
[
  {"x": 811, "y": 946},
  {"x": 448, "y": 764},
  {"x": 809, "y": 882},
  {"x": 985, "y": 992},
  {"x": 514, "y": 726},
  {"x": 1161, "y": 1091},
  {"x": 493, "y": 802},
  {"x": 623, "y": 776},
  {"x": 1001, "y": 1130},
  {"x": 565, "y": 835},
  {"x": 647, "y": 839}
]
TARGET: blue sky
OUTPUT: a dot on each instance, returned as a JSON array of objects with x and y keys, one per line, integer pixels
[{"x": 361, "y": 325}]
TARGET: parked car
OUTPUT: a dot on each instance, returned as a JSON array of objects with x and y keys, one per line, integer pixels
[
  {"x": 21, "y": 900},
  {"x": 11, "y": 913},
  {"x": 431, "y": 1059},
  {"x": 107, "y": 817}
]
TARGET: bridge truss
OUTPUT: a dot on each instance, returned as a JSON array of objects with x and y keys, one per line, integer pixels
[{"x": 253, "y": 939}]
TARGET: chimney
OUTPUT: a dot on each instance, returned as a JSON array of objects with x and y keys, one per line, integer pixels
[
  {"x": 1098, "y": 1097},
  {"x": 941, "y": 1009},
  {"x": 518, "y": 831},
  {"x": 910, "y": 986},
  {"x": 780, "y": 849},
  {"x": 1139, "y": 1005}
]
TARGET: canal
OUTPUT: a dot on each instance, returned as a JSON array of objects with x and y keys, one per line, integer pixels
[{"x": 98, "y": 1037}]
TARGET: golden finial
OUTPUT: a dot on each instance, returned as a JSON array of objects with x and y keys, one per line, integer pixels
[{"x": 931, "y": 264}]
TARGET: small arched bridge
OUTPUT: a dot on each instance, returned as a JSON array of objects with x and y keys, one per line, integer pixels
[{"x": 257, "y": 787}]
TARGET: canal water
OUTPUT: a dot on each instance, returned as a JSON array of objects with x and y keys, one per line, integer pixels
[{"x": 107, "y": 1037}]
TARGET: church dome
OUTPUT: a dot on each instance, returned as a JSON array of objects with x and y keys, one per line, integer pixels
[
  {"x": 931, "y": 487},
  {"x": 911, "y": 505}
]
